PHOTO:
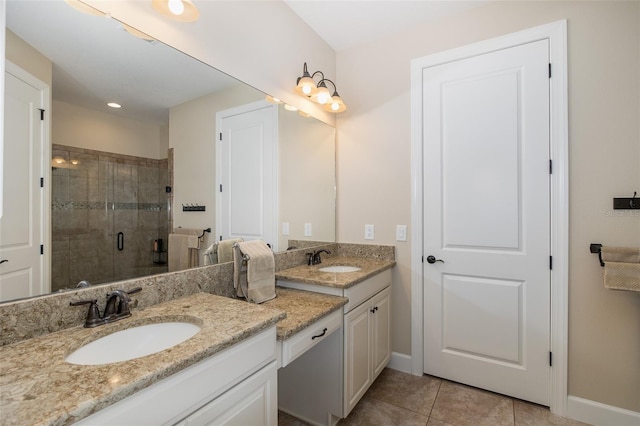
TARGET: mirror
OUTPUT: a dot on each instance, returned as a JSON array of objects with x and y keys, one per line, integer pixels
[{"x": 91, "y": 144}]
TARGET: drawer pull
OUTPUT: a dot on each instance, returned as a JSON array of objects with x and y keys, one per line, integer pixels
[{"x": 321, "y": 334}]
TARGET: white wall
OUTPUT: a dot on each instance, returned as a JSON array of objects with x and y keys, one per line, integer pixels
[{"x": 604, "y": 70}]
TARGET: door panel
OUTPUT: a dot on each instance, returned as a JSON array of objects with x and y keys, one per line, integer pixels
[
  {"x": 248, "y": 175},
  {"x": 486, "y": 207},
  {"x": 21, "y": 222}
]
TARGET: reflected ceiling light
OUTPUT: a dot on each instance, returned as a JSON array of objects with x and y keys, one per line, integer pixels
[
  {"x": 114, "y": 105},
  {"x": 290, "y": 107},
  {"x": 180, "y": 10},
  {"x": 304, "y": 114},
  {"x": 58, "y": 160},
  {"x": 84, "y": 8},
  {"x": 273, "y": 100},
  {"x": 137, "y": 33},
  {"x": 75, "y": 162},
  {"x": 319, "y": 93}
]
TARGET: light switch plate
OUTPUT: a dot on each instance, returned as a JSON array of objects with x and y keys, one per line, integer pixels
[
  {"x": 307, "y": 229},
  {"x": 285, "y": 228},
  {"x": 369, "y": 232},
  {"x": 401, "y": 232}
]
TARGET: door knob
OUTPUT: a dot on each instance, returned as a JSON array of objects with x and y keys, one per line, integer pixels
[{"x": 432, "y": 259}]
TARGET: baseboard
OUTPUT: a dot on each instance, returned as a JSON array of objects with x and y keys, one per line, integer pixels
[
  {"x": 596, "y": 413},
  {"x": 400, "y": 362}
]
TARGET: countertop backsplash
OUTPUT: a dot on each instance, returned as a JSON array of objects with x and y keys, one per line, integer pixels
[{"x": 28, "y": 318}]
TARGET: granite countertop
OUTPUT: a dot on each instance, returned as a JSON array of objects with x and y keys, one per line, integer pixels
[
  {"x": 303, "y": 308},
  {"x": 38, "y": 387},
  {"x": 311, "y": 275}
]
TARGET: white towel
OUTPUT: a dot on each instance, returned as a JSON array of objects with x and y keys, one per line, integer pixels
[{"x": 258, "y": 283}]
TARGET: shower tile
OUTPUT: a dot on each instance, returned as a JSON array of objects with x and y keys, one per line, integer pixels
[
  {"x": 78, "y": 189},
  {"x": 84, "y": 269},
  {"x": 59, "y": 187}
]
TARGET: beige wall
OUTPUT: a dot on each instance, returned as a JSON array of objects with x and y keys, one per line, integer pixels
[
  {"x": 28, "y": 58},
  {"x": 73, "y": 125},
  {"x": 306, "y": 178},
  {"x": 374, "y": 167}
]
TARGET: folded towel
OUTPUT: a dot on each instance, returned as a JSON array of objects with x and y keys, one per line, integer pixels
[
  {"x": 225, "y": 249},
  {"x": 180, "y": 256},
  {"x": 622, "y": 276},
  {"x": 193, "y": 241},
  {"x": 621, "y": 268},
  {"x": 258, "y": 284},
  {"x": 620, "y": 254}
]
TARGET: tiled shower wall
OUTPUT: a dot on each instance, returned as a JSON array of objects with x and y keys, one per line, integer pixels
[{"x": 95, "y": 199}]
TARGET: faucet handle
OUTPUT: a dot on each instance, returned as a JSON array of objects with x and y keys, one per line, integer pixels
[
  {"x": 135, "y": 290},
  {"x": 93, "y": 314}
]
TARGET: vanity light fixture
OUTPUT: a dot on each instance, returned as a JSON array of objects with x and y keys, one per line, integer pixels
[
  {"x": 319, "y": 93},
  {"x": 114, "y": 105},
  {"x": 179, "y": 10},
  {"x": 290, "y": 107},
  {"x": 273, "y": 100}
]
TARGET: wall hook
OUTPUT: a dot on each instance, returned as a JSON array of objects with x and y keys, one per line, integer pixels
[{"x": 632, "y": 203}]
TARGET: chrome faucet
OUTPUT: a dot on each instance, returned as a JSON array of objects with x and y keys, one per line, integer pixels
[{"x": 314, "y": 258}]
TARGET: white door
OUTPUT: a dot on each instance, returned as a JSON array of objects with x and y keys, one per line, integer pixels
[
  {"x": 486, "y": 221},
  {"x": 247, "y": 178},
  {"x": 21, "y": 225}
]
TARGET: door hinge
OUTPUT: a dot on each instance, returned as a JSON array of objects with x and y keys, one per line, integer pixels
[
  {"x": 220, "y": 187},
  {"x": 41, "y": 114},
  {"x": 550, "y": 359},
  {"x": 41, "y": 249},
  {"x": 220, "y": 137},
  {"x": 549, "y": 70},
  {"x": 41, "y": 182},
  {"x": 423, "y": 259},
  {"x": 220, "y": 237},
  {"x": 551, "y": 262},
  {"x": 550, "y": 167}
]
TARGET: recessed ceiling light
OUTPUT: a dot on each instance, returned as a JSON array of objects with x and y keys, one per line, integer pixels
[{"x": 114, "y": 105}]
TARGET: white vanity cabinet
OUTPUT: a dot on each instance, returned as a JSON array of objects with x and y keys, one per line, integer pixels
[
  {"x": 367, "y": 346},
  {"x": 366, "y": 333},
  {"x": 235, "y": 386}
]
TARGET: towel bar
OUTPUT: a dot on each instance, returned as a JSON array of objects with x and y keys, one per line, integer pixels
[{"x": 597, "y": 248}]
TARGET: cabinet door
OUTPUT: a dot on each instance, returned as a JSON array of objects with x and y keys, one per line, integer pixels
[
  {"x": 251, "y": 402},
  {"x": 380, "y": 331},
  {"x": 357, "y": 355}
]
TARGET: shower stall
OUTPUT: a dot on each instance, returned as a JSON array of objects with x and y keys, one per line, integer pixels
[{"x": 109, "y": 216}]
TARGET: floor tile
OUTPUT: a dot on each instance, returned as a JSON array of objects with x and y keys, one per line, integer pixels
[
  {"x": 285, "y": 419},
  {"x": 463, "y": 405},
  {"x": 373, "y": 412},
  {"x": 527, "y": 414},
  {"x": 415, "y": 393},
  {"x": 436, "y": 422}
]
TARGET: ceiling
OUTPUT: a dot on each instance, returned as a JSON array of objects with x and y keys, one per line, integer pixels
[
  {"x": 344, "y": 24},
  {"x": 111, "y": 65}
]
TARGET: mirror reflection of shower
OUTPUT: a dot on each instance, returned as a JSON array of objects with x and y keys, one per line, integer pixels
[{"x": 109, "y": 211}]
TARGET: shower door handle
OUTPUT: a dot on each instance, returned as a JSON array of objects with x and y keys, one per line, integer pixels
[{"x": 120, "y": 241}]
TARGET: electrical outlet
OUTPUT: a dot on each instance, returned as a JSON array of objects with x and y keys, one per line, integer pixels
[
  {"x": 285, "y": 228},
  {"x": 401, "y": 232},
  {"x": 307, "y": 229},
  {"x": 369, "y": 232}
]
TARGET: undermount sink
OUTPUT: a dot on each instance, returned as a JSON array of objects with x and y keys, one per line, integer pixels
[
  {"x": 339, "y": 268},
  {"x": 133, "y": 343}
]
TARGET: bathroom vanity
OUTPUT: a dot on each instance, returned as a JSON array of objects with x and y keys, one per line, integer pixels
[{"x": 363, "y": 349}]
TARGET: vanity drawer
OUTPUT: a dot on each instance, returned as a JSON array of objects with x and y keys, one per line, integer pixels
[
  {"x": 366, "y": 289},
  {"x": 304, "y": 340}
]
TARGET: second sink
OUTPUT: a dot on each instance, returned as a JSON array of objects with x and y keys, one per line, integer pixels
[
  {"x": 133, "y": 343},
  {"x": 339, "y": 268}
]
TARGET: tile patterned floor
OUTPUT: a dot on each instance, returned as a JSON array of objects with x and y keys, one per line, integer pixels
[{"x": 403, "y": 399}]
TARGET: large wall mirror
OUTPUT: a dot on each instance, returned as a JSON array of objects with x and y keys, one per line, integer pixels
[{"x": 129, "y": 176}]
